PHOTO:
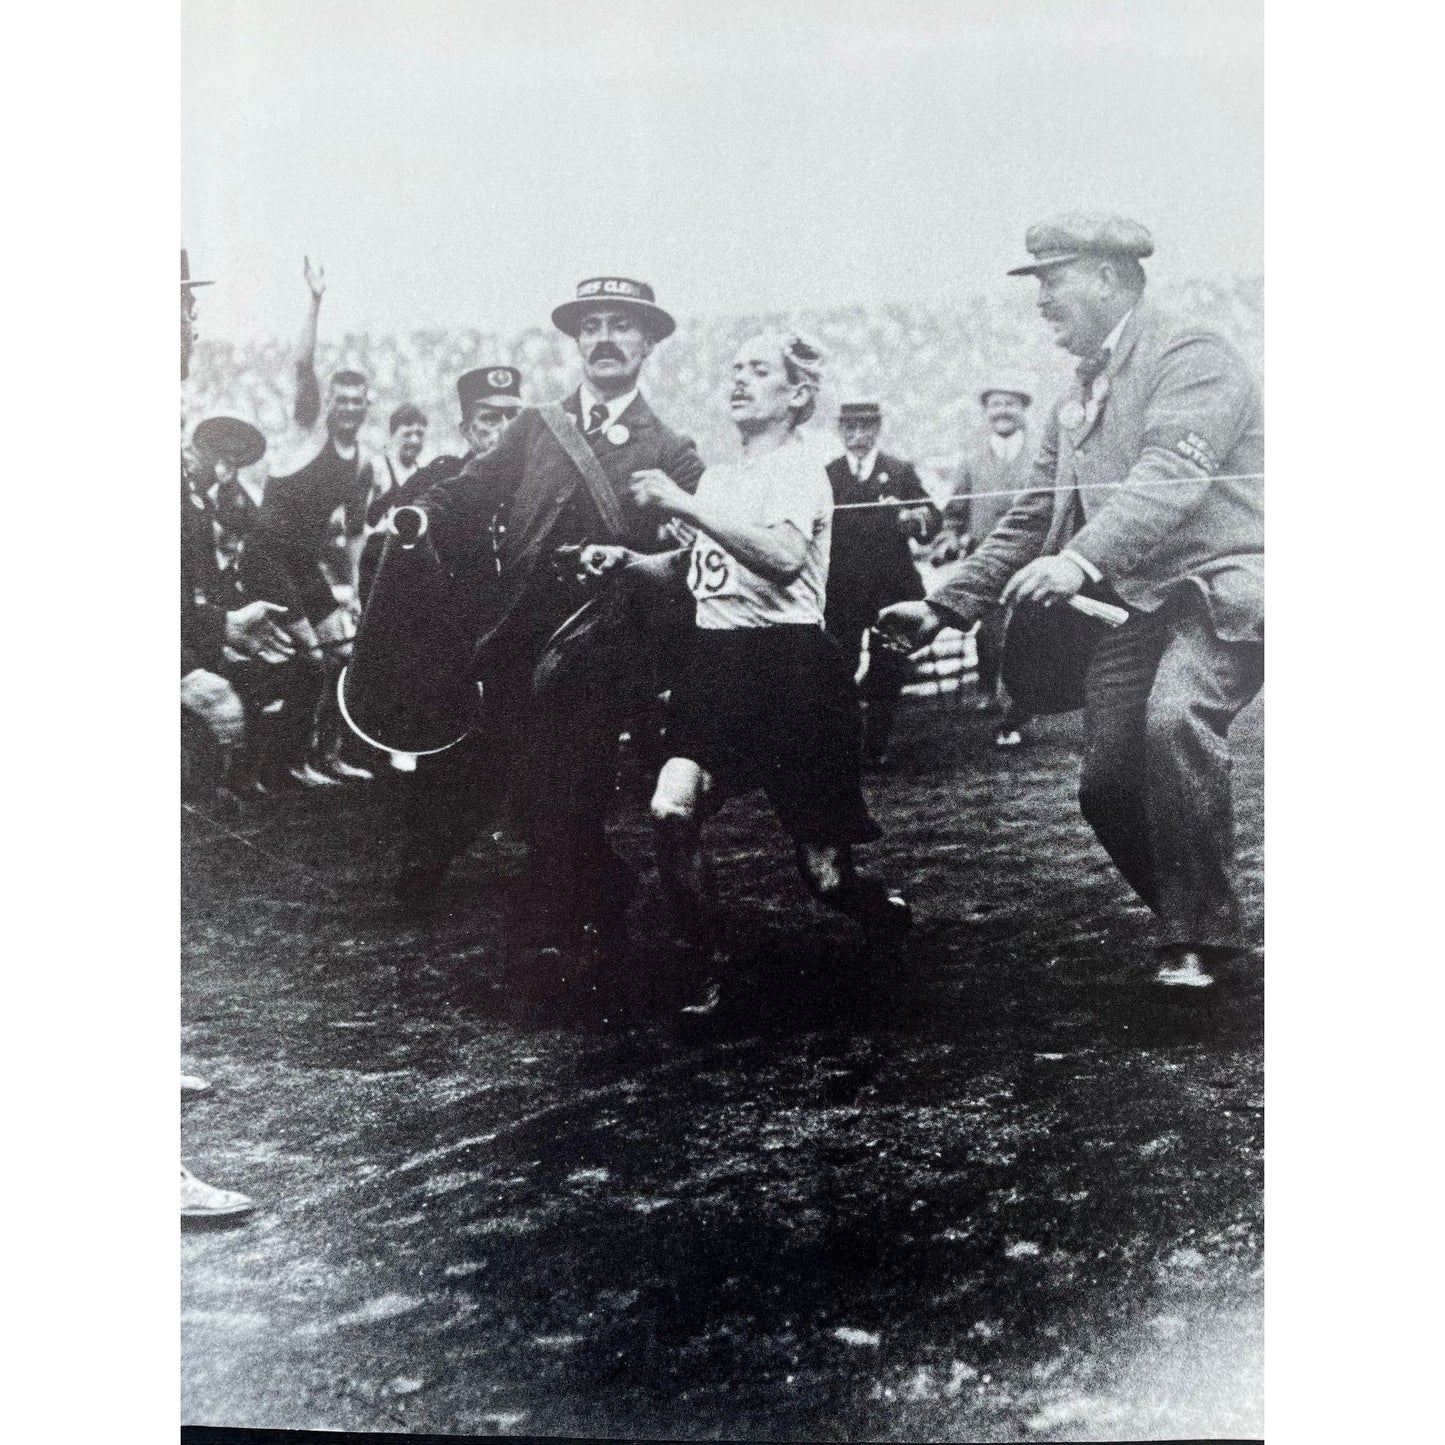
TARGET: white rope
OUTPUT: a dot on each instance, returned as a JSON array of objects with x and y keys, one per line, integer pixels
[{"x": 1077, "y": 487}]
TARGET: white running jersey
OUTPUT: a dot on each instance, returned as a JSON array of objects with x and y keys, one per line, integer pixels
[{"x": 786, "y": 485}]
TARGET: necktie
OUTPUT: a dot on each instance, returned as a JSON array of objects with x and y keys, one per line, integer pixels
[
  {"x": 596, "y": 419},
  {"x": 1089, "y": 368}
]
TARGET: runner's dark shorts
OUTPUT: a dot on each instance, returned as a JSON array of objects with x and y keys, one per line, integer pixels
[
  {"x": 273, "y": 570},
  {"x": 775, "y": 708}
]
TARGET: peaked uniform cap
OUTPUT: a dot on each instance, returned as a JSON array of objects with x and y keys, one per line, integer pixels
[
  {"x": 495, "y": 386},
  {"x": 614, "y": 293},
  {"x": 1083, "y": 233}
]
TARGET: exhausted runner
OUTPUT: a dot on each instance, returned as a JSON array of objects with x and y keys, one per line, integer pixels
[{"x": 766, "y": 700}]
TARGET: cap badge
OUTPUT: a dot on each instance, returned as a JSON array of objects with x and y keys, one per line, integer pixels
[
  {"x": 499, "y": 377},
  {"x": 617, "y": 434}
]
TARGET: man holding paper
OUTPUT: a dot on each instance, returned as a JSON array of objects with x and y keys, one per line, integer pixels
[{"x": 1148, "y": 491}]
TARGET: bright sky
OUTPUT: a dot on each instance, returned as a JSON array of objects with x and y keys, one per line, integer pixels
[{"x": 465, "y": 162}]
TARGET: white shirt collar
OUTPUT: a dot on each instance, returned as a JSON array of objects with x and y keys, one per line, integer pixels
[
  {"x": 1112, "y": 339},
  {"x": 1006, "y": 448},
  {"x": 862, "y": 469},
  {"x": 615, "y": 407}
]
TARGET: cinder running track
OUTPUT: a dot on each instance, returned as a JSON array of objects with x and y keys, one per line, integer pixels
[{"x": 986, "y": 1191}]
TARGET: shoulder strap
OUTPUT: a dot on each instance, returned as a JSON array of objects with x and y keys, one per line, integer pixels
[{"x": 582, "y": 457}]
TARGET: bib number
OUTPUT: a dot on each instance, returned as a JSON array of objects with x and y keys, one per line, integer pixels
[{"x": 709, "y": 572}]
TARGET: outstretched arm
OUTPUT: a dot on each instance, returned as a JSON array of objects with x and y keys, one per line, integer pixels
[
  {"x": 661, "y": 569},
  {"x": 776, "y": 552},
  {"x": 308, "y": 388}
]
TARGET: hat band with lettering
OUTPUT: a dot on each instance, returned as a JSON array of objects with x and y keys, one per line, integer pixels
[{"x": 614, "y": 293}]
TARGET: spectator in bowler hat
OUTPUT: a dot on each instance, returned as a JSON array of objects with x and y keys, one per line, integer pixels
[{"x": 870, "y": 564}]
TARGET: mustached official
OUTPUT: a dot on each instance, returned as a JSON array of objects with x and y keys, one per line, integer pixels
[
  {"x": 1147, "y": 490},
  {"x": 558, "y": 476}
]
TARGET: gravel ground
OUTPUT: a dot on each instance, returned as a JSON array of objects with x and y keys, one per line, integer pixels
[{"x": 987, "y": 1190}]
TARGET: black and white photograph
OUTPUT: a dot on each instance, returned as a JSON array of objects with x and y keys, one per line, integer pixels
[{"x": 722, "y": 719}]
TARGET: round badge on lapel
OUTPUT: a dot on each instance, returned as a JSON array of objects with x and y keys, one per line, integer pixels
[
  {"x": 617, "y": 434},
  {"x": 1071, "y": 414},
  {"x": 882, "y": 477}
]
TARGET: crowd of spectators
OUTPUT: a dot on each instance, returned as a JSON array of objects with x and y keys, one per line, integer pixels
[{"x": 923, "y": 363}]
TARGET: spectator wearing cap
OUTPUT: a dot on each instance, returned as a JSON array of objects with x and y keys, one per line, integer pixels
[
  {"x": 489, "y": 397},
  {"x": 288, "y": 557},
  {"x": 559, "y": 473},
  {"x": 870, "y": 564},
  {"x": 992, "y": 476},
  {"x": 1147, "y": 491}
]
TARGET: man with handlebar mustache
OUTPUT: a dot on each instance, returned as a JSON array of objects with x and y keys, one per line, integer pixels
[{"x": 558, "y": 478}]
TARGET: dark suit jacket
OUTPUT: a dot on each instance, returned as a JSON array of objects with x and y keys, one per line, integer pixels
[
  {"x": 869, "y": 564},
  {"x": 1180, "y": 406},
  {"x": 206, "y": 594},
  {"x": 544, "y": 503}
]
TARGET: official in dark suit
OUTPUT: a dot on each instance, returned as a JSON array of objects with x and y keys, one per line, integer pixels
[
  {"x": 497, "y": 525},
  {"x": 1148, "y": 490},
  {"x": 870, "y": 564},
  {"x": 489, "y": 397}
]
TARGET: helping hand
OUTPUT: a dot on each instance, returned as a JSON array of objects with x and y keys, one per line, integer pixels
[
  {"x": 910, "y": 624},
  {"x": 1045, "y": 580},
  {"x": 597, "y": 559},
  {"x": 654, "y": 489},
  {"x": 250, "y": 629},
  {"x": 315, "y": 278}
]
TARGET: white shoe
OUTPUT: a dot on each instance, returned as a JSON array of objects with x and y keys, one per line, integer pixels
[
  {"x": 1183, "y": 970},
  {"x": 310, "y": 777},
  {"x": 200, "y": 1200},
  {"x": 340, "y": 769}
]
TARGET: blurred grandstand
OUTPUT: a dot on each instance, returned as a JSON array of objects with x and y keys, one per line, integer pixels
[{"x": 924, "y": 363}]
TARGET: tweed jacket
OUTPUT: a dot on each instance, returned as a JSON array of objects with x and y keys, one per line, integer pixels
[
  {"x": 534, "y": 485},
  {"x": 1175, "y": 404},
  {"x": 984, "y": 471}
]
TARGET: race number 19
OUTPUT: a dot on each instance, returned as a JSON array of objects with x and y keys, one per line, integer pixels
[{"x": 709, "y": 571}]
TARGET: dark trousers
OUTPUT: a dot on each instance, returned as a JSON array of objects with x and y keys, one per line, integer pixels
[
  {"x": 1160, "y": 695},
  {"x": 881, "y": 687},
  {"x": 989, "y": 640},
  {"x": 544, "y": 761}
]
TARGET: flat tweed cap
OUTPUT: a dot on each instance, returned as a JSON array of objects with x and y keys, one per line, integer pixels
[{"x": 1083, "y": 233}]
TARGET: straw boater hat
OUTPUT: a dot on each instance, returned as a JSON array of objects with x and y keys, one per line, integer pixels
[
  {"x": 229, "y": 439},
  {"x": 1012, "y": 382},
  {"x": 614, "y": 292},
  {"x": 186, "y": 282}
]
